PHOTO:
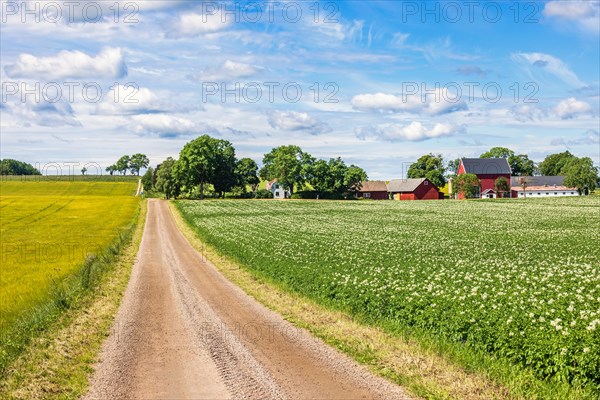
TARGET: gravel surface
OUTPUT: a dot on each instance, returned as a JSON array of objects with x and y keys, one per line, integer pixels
[{"x": 185, "y": 332}]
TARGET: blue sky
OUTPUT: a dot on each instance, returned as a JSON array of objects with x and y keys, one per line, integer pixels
[{"x": 381, "y": 82}]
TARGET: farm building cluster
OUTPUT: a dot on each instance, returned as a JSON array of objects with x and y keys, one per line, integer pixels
[
  {"x": 400, "y": 189},
  {"x": 487, "y": 170}
]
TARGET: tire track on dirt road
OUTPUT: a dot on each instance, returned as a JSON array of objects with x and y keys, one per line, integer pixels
[{"x": 184, "y": 331}]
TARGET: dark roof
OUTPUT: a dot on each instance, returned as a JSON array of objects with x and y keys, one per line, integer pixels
[
  {"x": 538, "y": 180},
  {"x": 406, "y": 185},
  {"x": 483, "y": 166},
  {"x": 373, "y": 186}
]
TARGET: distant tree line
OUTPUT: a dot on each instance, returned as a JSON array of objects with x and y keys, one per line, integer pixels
[
  {"x": 132, "y": 163},
  {"x": 579, "y": 173},
  {"x": 209, "y": 165},
  {"x": 14, "y": 167}
]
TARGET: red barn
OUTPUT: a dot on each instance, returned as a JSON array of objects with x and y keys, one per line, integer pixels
[
  {"x": 487, "y": 170},
  {"x": 374, "y": 190},
  {"x": 414, "y": 189}
]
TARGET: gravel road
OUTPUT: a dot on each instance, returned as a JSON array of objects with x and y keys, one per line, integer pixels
[{"x": 183, "y": 331}]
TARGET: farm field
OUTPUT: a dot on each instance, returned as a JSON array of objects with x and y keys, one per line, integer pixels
[
  {"x": 69, "y": 178},
  {"x": 518, "y": 280},
  {"x": 48, "y": 227}
]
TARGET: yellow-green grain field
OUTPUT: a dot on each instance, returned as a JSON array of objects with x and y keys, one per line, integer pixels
[{"x": 48, "y": 228}]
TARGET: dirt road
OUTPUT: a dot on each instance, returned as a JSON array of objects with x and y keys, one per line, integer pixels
[{"x": 185, "y": 332}]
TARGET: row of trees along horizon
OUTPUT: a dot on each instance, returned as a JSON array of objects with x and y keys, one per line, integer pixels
[
  {"x": 208, "y": 166},
  {"x": 209, "y": 161}
]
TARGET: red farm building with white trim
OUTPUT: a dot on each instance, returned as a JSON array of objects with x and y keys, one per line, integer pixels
[
  {"x": 487, "y": 171},
  {"x": 414, "y": 189}
]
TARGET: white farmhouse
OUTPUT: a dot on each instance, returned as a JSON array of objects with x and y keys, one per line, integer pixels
[
  {"x": 279, "y": 192},
  {"x": 540, "y": 186}
]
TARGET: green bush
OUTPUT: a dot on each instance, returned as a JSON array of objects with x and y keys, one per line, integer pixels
[
  {"x": 264, "y": 194},
  {"x": 311, "y": 194}
]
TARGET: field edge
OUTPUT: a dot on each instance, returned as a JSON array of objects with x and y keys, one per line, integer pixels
[{"x": 59, "y": 361}]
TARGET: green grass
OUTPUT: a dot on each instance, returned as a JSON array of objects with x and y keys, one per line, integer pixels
[{"x": 509, "y": 288}]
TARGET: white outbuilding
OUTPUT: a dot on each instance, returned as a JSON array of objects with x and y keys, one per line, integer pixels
[
  {"x": 540, "y": 186},
  {"x": 279, "y": 192}
]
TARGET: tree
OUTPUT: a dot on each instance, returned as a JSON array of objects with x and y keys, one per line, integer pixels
[
  {"x": 122, "y": 164},
  {"x": 467, "y": 185},
  {"x": 320, "y": 178},
  {"x": 334, "y": 176},
  {"x": 554, "y": 163},
  {"x": 14, "y": 167},
  {"x": 352, "y": 179},
  {"x": 498, "y": 152},
  {"x": 206, "y": 160},
  {"x": 502, "y": 186},
  {"x": 246, "y": 172},
  {"x": 521, "y": 165},
  {"x": 289, "y": 165},
  {"x": 328, "y": 176},
  {"x": 148, "y": 179},
  {"x": 165, "y": 180},
  {"x": 581, "y": 174},
  {"x": 523, "y": 183},
  {"x": 429, "y": 166},
  {"x": 337, "y": 175},
  {"x": 111, "y": 169},
  {"x": 453, "y": 166},
  {"x": 224, "y": 178},
  {"x": 137, "y": 162},
  {"x": 83, "y": 170}
]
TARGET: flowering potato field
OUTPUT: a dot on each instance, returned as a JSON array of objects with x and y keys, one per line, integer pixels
[
  {"x": 48, "y": 228},
  {"x": 518, "y": 279}
]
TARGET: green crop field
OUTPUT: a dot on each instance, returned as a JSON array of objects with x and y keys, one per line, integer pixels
[
  {"x": 48, "y": 227},
  {"x": 517, "y": 280}
]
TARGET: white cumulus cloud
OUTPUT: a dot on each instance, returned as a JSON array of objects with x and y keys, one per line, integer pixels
[
  {"x": 571, "y": 107},
  {"x": 193, "y": 24},
  {"x": 124, "y": 100},
  {"x": 297, "y": 121},
  {"x": 109, "y": 63},
  {"x": 227, "y": 71},
  {"x": 590, "y": 138},
  {"x": 162, "y": 125},
  {"x": 38, "y": 113},
  {"x": 439, "y": 101},
  {"x": 585, "y": 14},
  {"x": 413, "y": 132},
  {"x": 526, "y": 113}
]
